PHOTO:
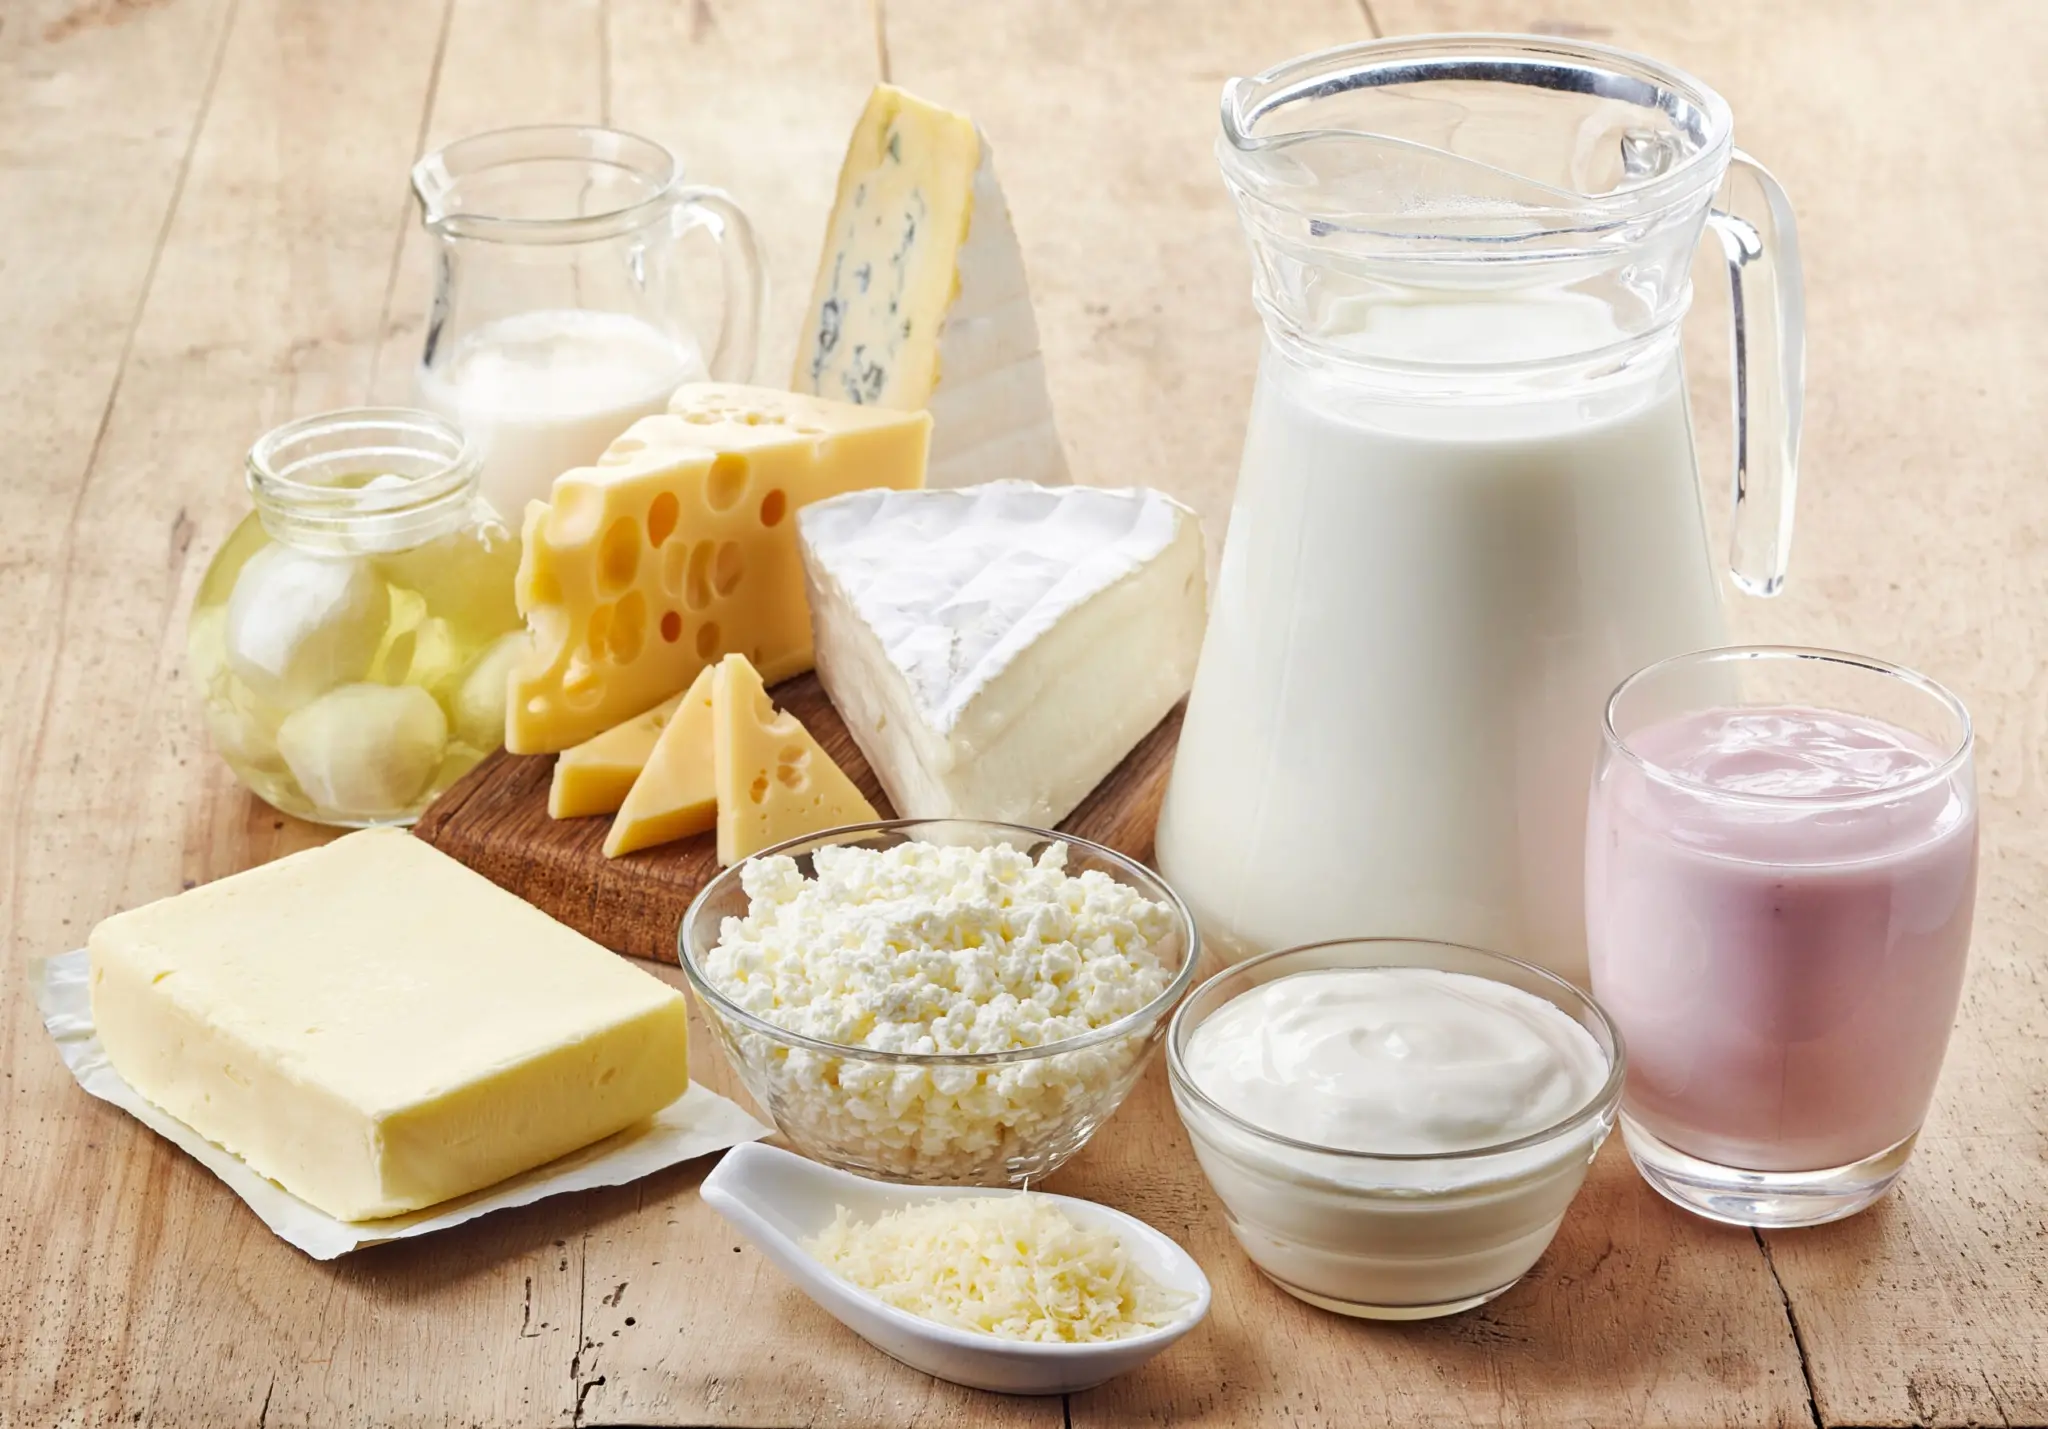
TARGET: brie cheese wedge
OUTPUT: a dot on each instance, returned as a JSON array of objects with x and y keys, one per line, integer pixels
[
  {"x": 921, "y": 302},
  {"x": 996, "y": 651}
]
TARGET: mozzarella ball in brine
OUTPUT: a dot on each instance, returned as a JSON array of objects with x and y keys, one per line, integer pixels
[
  {"x": 365, "y": 751},
  {"x": 301, "y": 624},
  {"x": 480, "y": 702}
]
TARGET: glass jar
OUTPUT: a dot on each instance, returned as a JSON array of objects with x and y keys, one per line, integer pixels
[{"x": 353, "y": 637}]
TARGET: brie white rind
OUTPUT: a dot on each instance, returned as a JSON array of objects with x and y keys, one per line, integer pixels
[{"x": 996, "y": 651}]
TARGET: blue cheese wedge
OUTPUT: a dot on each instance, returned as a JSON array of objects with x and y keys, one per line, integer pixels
[
  {"x": 377, "y": 1029},
  {"x": 921, "y": 302},
  {"x": 996, "y": 651}
]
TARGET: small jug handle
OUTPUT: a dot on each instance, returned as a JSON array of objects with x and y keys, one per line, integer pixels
[
  {"x": 732, "y": 357},
  {"x": 1754, "y": 222}
]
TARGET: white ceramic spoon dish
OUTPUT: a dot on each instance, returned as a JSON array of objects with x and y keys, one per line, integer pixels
[{"x": 779, "y": 1200}]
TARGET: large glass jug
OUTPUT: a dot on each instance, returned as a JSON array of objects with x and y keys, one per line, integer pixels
[
  {"x": 1469, "y": 502},
  {"x": 564, "y": 310}
]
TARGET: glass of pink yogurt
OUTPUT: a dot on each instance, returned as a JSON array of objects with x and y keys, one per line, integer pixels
[{"x": 1781, "y": 864}]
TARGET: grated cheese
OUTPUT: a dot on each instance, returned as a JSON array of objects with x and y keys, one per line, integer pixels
[{"x": 1016, "y": 1267}]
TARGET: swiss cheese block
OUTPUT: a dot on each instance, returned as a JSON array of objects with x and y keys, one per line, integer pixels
[
  {"x": 678, "y": 547},
  {"x": 774, "y": 782},
  {"x": 921, "y": 299},
  {"x": 595, "y": 776},
  {"x": 996, "y": 651},
  {"x": 377, "y": 1029},
  {"x": 675, "y": 795}
]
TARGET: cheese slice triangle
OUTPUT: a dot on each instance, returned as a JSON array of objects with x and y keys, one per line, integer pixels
[
  {"x": 595, "y": 776},
  {"x": 774, "y": 780},
  {"x": 675, "y": 795},
  {"x": 921, "y": 300}
]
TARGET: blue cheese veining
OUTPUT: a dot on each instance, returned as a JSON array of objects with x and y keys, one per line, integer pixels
[{"x": 921, "y": 300}]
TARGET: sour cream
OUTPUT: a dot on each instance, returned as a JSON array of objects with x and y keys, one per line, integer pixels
[
  {"x": 1401, "y": 1141},
  {"x": 1395, "y": 1060}
]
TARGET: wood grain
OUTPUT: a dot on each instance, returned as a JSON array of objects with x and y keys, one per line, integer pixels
[
  {"x": 495, "y": 819},
  {"x": 209, "y": 231},
  {"x": 140, "y": 1293}
]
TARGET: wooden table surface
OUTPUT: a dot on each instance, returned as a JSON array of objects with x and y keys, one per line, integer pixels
[{"x": 207, "y": 230}]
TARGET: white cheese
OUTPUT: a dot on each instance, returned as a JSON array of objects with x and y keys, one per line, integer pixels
[
  {"x": 1015, "y": 1267},
  {"x": 926, "y": 949},
  {"x": 996, "y": 651},
  {"x": 299, "y": 624},
  {"x": 921, "y": 300}
]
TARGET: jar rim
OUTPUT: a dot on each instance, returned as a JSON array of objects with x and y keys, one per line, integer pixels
[{"x": 440, "y": 466}]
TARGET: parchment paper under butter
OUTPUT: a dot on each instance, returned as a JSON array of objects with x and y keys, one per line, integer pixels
[{"x": 694, "y": 1124}]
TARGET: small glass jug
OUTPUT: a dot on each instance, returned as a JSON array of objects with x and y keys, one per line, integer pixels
[
  {"x": 562, "y": 312},
  {"x": 1469, "y": 501}
]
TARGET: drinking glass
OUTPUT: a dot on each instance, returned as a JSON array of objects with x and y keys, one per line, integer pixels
[{"x": 1781, "y": 866}]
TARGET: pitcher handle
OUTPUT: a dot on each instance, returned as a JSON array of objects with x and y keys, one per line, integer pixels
[
  {"x": 746, "y": 283},
  {"x": 1754, "y": 222}
]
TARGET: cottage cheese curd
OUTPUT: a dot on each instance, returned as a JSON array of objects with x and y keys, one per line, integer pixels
[{"x": 941, "y": 951}]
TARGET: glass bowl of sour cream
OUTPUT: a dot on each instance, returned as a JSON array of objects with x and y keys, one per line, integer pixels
[{"x": 1395, "y": 1126}]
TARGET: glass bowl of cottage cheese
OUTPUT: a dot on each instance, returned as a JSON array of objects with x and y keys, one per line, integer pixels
[{"x": 940, "y": 1001}]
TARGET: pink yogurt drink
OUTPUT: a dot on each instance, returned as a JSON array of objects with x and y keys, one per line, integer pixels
[{"x": 1778, "y": 912}]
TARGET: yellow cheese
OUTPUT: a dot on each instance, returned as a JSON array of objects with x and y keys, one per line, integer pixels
[
  {"x": 678, "y": 547},
  {"x": 377, "y": 1029},
  {"x": 595, "y": 776},
  {"x": 1015, "y": 1267},
  {"x": 674, "y": 796},
  {"x": 774, "y": 781}
]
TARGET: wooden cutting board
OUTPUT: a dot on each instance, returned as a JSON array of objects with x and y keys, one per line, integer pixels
[{"x": 495, "y": 819}]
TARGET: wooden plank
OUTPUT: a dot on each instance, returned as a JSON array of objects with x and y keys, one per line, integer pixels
[
  {"x": 137, "y": 1289},
  {"x": 98, "y": 113},
  {"x": 1638, "y": 1314},
  {"x": 1900, "y": 131},
  {"x": 495, "y": 819},
  {"x": 140, "y": 1291}
]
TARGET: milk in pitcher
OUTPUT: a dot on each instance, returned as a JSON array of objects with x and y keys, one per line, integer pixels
[
  {"x": 1468, "y": 505},
  {"x": 1421, "y": 608}
]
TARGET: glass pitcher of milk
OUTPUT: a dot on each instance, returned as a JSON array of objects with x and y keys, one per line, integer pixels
[
  {"x": 562, "y": 307},
  {"x": 1469, "y": 501}
]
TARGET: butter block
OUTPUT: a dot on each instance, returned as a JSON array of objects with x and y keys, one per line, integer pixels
[
  {"x": 675, "y": 795},
  {"x": 775, "y": 782},
  {"x": 377, "y": 1029},
  {"x": 679, "y": 546}
]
